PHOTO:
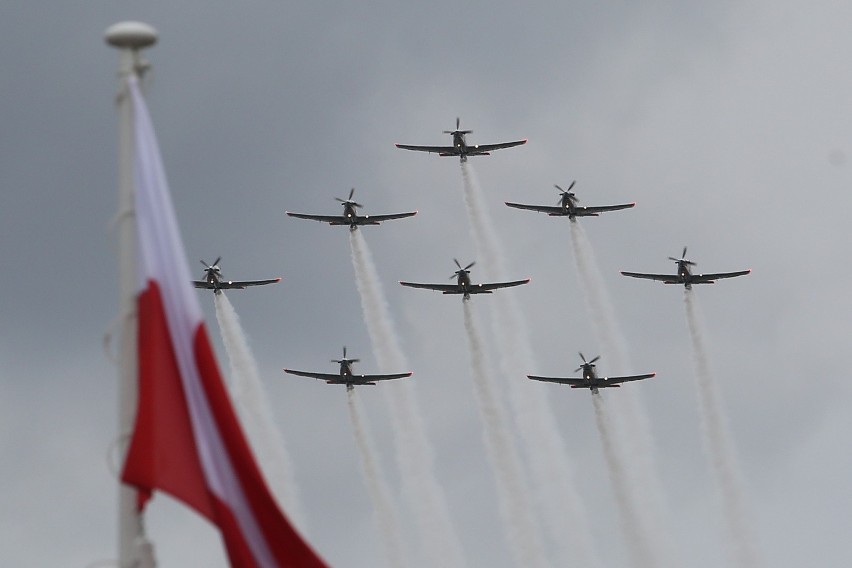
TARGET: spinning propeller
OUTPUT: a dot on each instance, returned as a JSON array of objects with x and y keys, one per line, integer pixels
[
  {"x": 567, "y": 194},
  {"x": 349, "y": 201},
  {"x": 345, "y": 360},
  {"x": 211, "y": 267},
  {"x": 682, "y": 259},
  {"x": 457, "y": 131},
  {"x": 586, "y": 364},
  {"x": 458, "y": 272}
]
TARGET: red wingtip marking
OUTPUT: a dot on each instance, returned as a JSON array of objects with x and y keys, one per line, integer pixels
[{"x": 278, "y": 279}]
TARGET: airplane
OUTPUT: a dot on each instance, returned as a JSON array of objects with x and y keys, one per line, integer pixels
[
  {"x": 590, "y": 379},
  {"x": 684, "y": 274},
  {"x": 350, "y": 215},
  {"x": 460, "y": 147},
  {"x": 463, "y": 285},
  {"x": 568, "y": 206},
  {"x": 345, "y": 376},
  {"x": 213, "y": 280}
]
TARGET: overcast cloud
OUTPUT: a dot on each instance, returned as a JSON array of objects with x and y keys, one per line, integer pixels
[{"x": 728, "y": 123}]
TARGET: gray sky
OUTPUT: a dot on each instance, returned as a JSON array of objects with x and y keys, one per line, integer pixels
[{"x": 728, "y": 123}]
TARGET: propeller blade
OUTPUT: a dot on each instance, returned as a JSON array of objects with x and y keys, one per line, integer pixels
[
  {"x": 457, "y": 262},
  {"x": 216, "y": 263},
  {"x": 204, "y": 264},
  {"x": 566, "y": 193},
  {"x": 351, "y": 193},
  {"x": 581, "y": 356},
  {"x": 458, "y": 121},
  {"x": 682, "y": 259},
  {"x": 468, "y": 266},
  {"x": 595, "y": 359}
]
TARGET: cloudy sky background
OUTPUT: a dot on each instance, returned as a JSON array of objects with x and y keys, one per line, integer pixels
[{"x": 728, "y": 123}]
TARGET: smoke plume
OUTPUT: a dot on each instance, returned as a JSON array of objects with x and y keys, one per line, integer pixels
[
  {"x": 414, "y": 453},
  {"x": 255, "y": 415}
]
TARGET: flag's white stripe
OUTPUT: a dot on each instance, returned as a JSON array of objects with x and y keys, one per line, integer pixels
[{"x": 163, "y": 259}]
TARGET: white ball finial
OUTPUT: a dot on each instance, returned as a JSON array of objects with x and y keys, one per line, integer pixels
[{"x": 131, "y": 35}]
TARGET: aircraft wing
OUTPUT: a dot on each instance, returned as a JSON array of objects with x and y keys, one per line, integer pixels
[
  {"x": 595, "y": 209},
  {"x": 443, "y": 150},
  {"x": 557, "y": 210},
  {"x": 549, "y": 209},
  {"x": 233, "y": 284},
  {"x": 495, "y": 285},
  {"x": 337, "y": 378},
  {"x": 480, "y": 148},
  {"x": 321, "y": 376},
  {"x": 574, "y": 382},
  {"x": 667, "y": 278},
  {"x": 709, "y": 278},
  {"x": 372, "y": 378},
  {"x": 359, "y": 220},
  {"x": 599, "y": 382},
  {"x": 615, "y": 381},
  {"x": 240, "y": 284},
  {"x": 331, "y": 219},
  {"x": 376, "y": 219},
  {"x": 445, "y": 288},
  {"x": 474, "y": 288}
]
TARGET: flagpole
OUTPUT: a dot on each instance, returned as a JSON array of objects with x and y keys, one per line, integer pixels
[{"x": 134, "y": 550}]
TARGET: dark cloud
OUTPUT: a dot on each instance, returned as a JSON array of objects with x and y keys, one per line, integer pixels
[{"x": 728, "y": 125}]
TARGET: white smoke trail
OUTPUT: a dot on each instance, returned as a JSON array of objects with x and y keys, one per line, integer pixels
[
  {"x": 600, "y": 307},
  {"x": 633, "y": 427},
  {"x": 556, "y": 497},
  {"x": 719, "y": 445},
  {"x": 415, "y": 456},
  {"x": 631, "y": 522},
  {"x": 376, "y": 485},
  {"x": 518, "y": 522},
  {"x": 255, "y": 414}
]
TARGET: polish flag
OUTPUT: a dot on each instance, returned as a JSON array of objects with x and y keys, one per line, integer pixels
[{"x": 186, "y": 439}]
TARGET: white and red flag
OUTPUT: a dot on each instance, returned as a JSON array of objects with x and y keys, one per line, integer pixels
[{"x": 186, "y": 439}]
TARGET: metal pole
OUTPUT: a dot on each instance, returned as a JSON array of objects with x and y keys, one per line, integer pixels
[{"x": 134, "y": 550}]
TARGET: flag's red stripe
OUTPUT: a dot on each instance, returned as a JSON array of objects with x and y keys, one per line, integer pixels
[
  {"x": 239, "y": 552},
  {"x": 286, "y": 545},
  {"x": 187, "y": 440},
  {"x": 162, "y": 453}
]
